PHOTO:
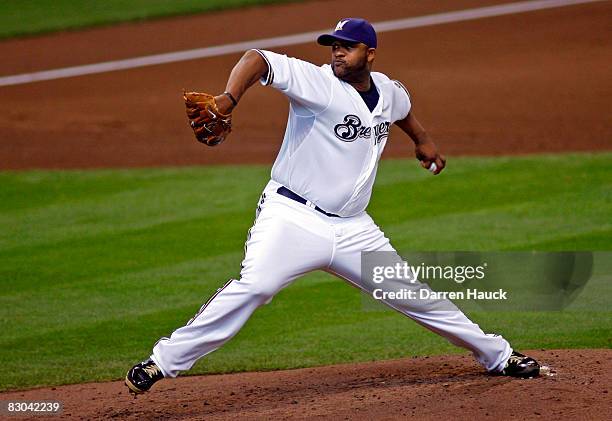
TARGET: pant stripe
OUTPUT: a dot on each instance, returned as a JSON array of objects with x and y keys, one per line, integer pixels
[
  {"x": 209, "y": 301},
  {"x": 261, "y": 202}
]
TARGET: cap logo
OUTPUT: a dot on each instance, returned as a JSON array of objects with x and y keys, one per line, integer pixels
[{"x": 341, "y": 24}]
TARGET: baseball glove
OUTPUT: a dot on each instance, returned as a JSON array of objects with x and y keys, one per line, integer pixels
[{"x": 209, "y": 125}]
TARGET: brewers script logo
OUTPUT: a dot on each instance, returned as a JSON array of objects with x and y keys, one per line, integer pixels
[{"x": 352, "y": 129}]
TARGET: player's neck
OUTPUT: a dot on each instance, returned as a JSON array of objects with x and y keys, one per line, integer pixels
[{"x": 360, "y": 82}]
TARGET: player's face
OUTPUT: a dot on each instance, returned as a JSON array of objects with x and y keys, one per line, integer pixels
[{"x": 350, "y": 60}]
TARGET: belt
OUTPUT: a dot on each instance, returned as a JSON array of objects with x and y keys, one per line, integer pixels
[{"x": 284, "y": 191}]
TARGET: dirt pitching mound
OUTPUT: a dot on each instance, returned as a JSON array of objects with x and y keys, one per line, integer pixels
[{"x": 442, "y": 387}]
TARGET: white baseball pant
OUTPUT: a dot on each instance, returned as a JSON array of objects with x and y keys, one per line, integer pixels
[{"x": 288, "y": 240}]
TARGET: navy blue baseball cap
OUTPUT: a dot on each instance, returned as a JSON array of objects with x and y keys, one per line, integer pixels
[{"x": 351, "y": 30}]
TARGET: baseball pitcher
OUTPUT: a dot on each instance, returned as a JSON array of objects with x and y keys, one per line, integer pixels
[{"x": 312, "y": 213}]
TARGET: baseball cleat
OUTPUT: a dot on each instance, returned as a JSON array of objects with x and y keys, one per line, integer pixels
[
  {"x": 519, "y": 365},
  {"x": 142, "y": 376}
]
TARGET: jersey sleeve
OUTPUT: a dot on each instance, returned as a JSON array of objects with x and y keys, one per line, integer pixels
[
  {"x": 401, "y": 101},
  {"x": 303, "y": 82}
]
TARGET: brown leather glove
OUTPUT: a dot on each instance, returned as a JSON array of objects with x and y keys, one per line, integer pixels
[{"x": 209, "y": 125}]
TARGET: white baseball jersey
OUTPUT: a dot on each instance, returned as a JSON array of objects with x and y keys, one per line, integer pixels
[{"x": 333, "y": 142}]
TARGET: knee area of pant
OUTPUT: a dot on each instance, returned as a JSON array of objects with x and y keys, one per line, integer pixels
[{"x": 262, "y": 291}]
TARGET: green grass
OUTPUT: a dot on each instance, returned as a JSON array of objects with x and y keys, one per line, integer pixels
[
  {"x": 29, "y": 17},
  {"x": 95, "y": 266}
]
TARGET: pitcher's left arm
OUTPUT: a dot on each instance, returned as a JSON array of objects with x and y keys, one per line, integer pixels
[{"x": 425, "y": 150}]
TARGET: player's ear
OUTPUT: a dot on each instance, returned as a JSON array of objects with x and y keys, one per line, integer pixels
[{"x": 371, "y": 54}]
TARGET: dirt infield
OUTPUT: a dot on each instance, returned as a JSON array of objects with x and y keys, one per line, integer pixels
[
  {"x": 525, "y": 83},
  {"x": 429, "y": 388}
]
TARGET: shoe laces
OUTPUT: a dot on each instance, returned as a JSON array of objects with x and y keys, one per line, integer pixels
[
  {"x": 152, "y": 370},
  {"x": 515, "y": 359}
]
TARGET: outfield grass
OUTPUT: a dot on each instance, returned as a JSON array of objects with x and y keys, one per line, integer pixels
[
  {"x": 28, "y": 17},
  {"x": 95, "y": 266}
]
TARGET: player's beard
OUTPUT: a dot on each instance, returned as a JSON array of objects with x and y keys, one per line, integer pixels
[{"x": 351, "y": 73}]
